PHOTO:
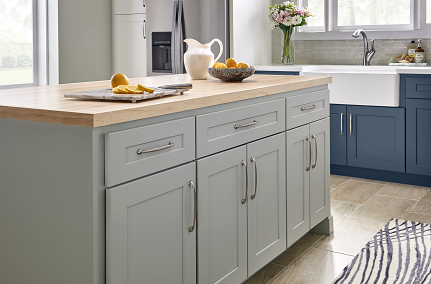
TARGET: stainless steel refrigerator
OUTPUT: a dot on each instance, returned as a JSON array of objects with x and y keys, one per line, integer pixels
[{"x": 202, "y": 20}]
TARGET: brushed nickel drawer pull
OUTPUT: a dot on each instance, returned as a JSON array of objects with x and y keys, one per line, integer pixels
[
  {"x": 243, "y": 201},
  {"x": 144, "y": 28},
  {"x": 191, "y": 184},
  {"x": 351, "y": 117},
  {"x": 342, "y": 133},
  {"x": 315, "y": 158},
  {"x": 245, "y": 125},
  {"x": 308, "y": 108},
  {"x": 253, "y": 196},
  {"x": 140, "y": 151},
  {"x": 309, "y": 165}
]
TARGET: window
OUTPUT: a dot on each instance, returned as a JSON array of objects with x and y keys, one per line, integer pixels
[
  {"x": 17, "y": 46},
  {"x": 317, "y": 7},
  {"x": 428, "y": 12},
  {"x": 373, "y": 12}
]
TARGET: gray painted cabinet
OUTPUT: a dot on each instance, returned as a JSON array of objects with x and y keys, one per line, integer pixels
[
  {"x": 222, "y": 217},
  {"x": 307, "y": 155},
  {"x": 147, "y": 229}
]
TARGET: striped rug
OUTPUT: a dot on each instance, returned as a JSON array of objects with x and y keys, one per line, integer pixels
[{"x": 399, "y": 253}]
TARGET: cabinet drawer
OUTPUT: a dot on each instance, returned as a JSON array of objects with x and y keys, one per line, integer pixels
[
  {"x": 222, "y": 130},
  {"x": 418, "y": 87},
  {"x": 164, "y": 144},
  {"x": 306, "y": 108}
]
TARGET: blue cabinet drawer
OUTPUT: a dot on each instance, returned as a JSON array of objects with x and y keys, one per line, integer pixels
[{"x": 418, "y": 87}]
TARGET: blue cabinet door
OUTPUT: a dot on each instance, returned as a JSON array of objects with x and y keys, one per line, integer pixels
[
  {"x": 418, "y": 138},
  {"x": 376, "y": 138},
  {"x": 338, "y": 134}
]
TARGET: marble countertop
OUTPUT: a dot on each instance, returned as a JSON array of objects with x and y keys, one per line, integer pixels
[{"x": 48, "y": 104}]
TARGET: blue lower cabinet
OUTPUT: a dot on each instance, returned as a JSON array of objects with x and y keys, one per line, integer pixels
[
  {"x": 376, "y": 138},
  {"x": 338, "y": 134},
  {"x": 418, "y": 138}
]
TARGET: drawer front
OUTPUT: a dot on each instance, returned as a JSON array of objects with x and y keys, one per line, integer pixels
[
  {"x": 161, "y": 146},
  {"x": 226, "y": 129},
  {"x": 418, "y": 87},
  {"x": 306, "y": 108}
]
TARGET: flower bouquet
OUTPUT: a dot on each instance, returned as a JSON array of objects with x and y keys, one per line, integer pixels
[{"x": 287, "y": 16}]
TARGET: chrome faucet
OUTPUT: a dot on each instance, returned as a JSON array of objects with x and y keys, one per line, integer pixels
[{"x": 368, "y": 54}]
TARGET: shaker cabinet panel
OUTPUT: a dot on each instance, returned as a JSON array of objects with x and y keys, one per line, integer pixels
[
  {"x": 376, "y": 138},
  {"x": 418, "y": 150},
  {"x": 222, "y": 217},
  {"x": 338, "y": 134},
  {"x": 130, "y": 37},
  {"x": 147, "y": 229},
  {"x": 129, "y": 6},
  {"x": 298, "y": 157},
  {"x": 266, "y": 201},
  {"x": 319, "y": 172}
]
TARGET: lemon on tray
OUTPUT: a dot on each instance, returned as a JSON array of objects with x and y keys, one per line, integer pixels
[{"x": 119, "y": 79}]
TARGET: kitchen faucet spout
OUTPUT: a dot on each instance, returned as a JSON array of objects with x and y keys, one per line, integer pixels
[{"x": 368, "y": 54}]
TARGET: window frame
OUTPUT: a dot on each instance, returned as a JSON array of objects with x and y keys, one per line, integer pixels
[
  {"x": 45, "y": 45},
  {"x": 417, "y": 28}
]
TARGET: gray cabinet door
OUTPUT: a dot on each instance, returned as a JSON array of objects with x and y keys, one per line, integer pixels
[
  {"x": 266, "y": 201},
  {"x": 222, "y": 222},
  {"x": 147, "y": 229},
  {"x": 297, "y": 183},
  {"x": 319, "y": 172}
]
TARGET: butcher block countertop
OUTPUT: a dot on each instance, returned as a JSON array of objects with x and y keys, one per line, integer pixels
[{"x": 48, "y": 104}]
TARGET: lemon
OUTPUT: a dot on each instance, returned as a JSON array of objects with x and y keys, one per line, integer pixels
[
  {"x": 230, "y": 62},
  {"x": 134, "y": 90},
  {"x": 145, "y": 89},
  {"x": 123, "y": 89},
  {"x": 232, "y": 67},
  {"x": 243, "y": 65},
  {"x": 215, "y": 65},
  {"x": 119, "y": 79},
  {"x": 220, "y": 65}
]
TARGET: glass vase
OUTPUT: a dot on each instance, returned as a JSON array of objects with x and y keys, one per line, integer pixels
[{"x": 288, "y": 51}]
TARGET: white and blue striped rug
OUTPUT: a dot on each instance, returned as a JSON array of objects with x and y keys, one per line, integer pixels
[{"x": 400, "y": 253}]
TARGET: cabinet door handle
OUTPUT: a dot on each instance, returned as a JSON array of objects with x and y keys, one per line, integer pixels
[
  {"x": 342, "y": 133},
  {"x": 191, "y": 184},
  {"x": 140, "y": 151},
  {"x": 351, "y": 115},
  {"x": 143, "y": 3},
  {"x": 309, "y": 165},
  {"x": 243, "y": 201},
  {"x": 253, "y": 196},
  {"x": 245, "y": 125},
  {"x": 315, "y": 158},
  {"x": 144, "y": 28},
  {"x": 308, "y": 108}
]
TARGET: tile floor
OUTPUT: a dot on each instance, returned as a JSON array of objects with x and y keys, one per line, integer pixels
[{"x": 360, "y": 208}]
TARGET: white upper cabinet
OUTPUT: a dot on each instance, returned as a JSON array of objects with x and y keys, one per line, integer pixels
[{"x": 129, "y": 6}]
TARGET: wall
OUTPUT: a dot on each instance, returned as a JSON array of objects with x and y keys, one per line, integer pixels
[
  {"x": 341, "y": 52},
  {"x": 85, "y": 39}
]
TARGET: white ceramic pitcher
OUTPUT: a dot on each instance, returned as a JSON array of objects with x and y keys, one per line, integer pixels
[{"x": 199, "y": 57}]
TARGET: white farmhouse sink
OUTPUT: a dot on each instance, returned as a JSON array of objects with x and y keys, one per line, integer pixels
[{"x": 360, "y": 85}]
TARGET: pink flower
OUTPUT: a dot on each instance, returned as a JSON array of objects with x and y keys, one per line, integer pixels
[{"x": 299, "y": 11}]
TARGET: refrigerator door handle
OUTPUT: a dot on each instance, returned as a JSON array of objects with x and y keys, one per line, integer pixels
[
  {"x": 173, "y": 37},
  {"x": 180, "y": 39}
]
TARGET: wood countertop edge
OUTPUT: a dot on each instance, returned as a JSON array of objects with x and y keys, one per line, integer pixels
[
  {"x": 119, "y": 116},
  {"x": 136, "y": 111}
]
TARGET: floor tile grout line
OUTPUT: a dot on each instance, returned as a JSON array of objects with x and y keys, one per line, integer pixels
[
  {"x": 337, "y": 251},
  {"x": 398, "y": 197},
  {"x": 410, "y": 211},
  {"x": 340, "y": 184},
  {"x": 295, "y": 258},
  {"x": 367, "y": 200}
]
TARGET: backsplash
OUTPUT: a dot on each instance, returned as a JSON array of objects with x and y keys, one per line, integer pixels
[{"x": 342, "y": 52}]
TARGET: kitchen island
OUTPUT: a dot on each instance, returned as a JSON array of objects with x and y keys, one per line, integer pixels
[{"x": 119, "y": 192}]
